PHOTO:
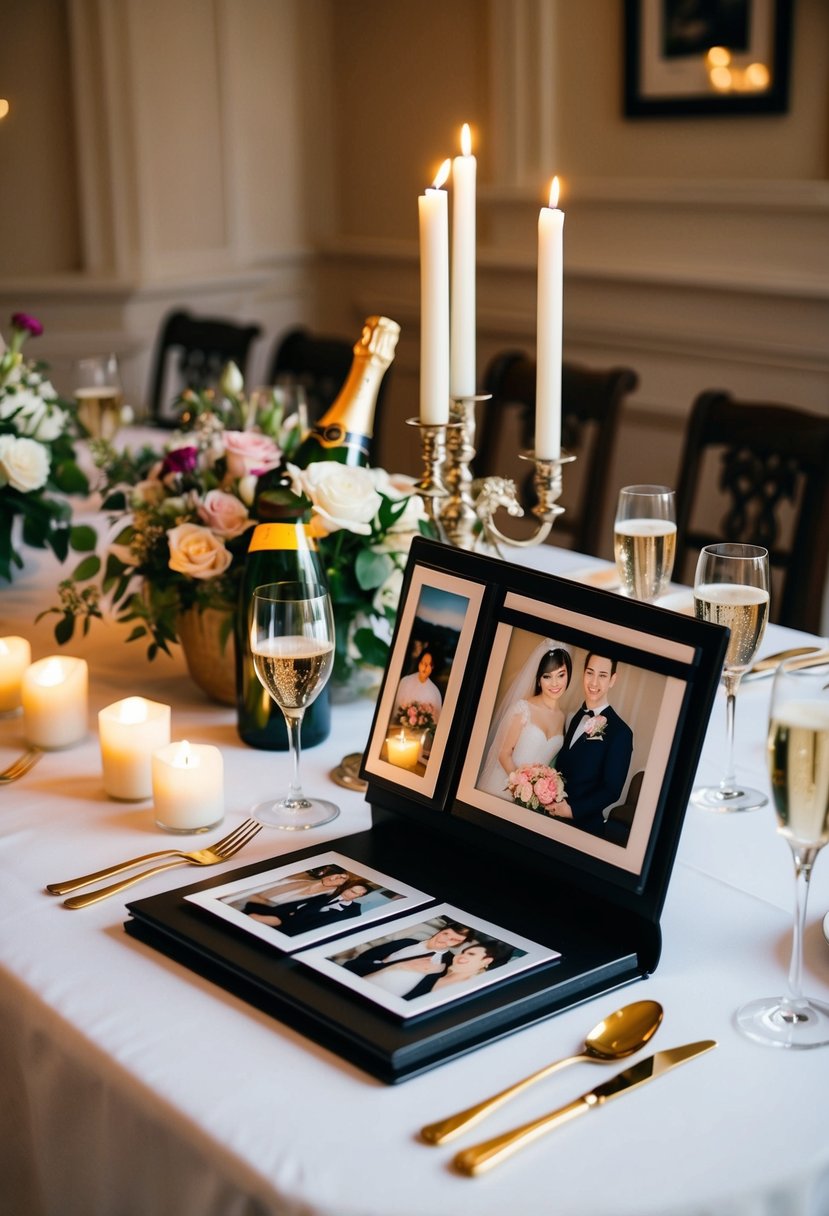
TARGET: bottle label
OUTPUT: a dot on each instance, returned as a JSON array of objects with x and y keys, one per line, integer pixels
[
  {"x": 334, "y": 435},
  {"x": 280, "y": 536}
]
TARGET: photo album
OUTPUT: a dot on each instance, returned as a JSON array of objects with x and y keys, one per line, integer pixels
[{"x": 529, "y": 762}]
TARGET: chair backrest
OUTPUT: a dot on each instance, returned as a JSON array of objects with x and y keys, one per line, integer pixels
[
  {"x": 759, "y": 474},
  {"x": 590, "y": 404},
  {"x": 191, "y": 352},
  {"x": 320, "y": 365}
]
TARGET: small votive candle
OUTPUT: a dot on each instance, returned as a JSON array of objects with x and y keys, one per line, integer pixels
[
  {"x": 54, "y": 693},
  {"x": 129, "y": 732},
  {"x": 15, "y": 657},
  {"x": 403, "y": 749},
  {"x": 188, "y": 787}
]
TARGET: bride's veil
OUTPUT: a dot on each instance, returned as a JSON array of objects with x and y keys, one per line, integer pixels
[{"x": 521, "y": 688}]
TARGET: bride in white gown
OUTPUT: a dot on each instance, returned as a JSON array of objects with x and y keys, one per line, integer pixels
[{"x": 529, "y": 727}]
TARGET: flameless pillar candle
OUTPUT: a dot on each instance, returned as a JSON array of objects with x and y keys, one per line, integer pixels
[
  {"x": 433, "y": 216},
  {"x": 129, "y": 732},
  {"x": 188, "y": 786},
  {"x": 549, "y": 325},
  {"x": 55, "y": 694},
  {"x": 15, "y": 657},
  {"x": 462, "y": 349}
]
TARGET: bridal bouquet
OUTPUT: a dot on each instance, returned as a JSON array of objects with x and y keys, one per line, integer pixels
[
  {"x": 535, "y": 786},
  {"x": 37, "y": 459},
  {"x": 418, "y": 715}
]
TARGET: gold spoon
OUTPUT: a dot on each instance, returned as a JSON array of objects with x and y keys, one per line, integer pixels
[{"x": 620, "y": 1034}]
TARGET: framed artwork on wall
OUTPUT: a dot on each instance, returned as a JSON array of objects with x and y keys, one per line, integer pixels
[{"x": 696, "y": 57}]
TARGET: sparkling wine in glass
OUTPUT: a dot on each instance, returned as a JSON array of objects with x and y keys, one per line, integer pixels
[
  {"x": 731, "y": 588},
  {"x": 292, "y": 643},
  {"x": 99, "y": 396},
  {"x": 644, "y": 540},
  {"x": 798, "y": 754}
]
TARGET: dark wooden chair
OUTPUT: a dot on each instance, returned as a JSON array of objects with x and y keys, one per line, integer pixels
[
  {"x": 590, "y": 402},
  {"x": 320, "y": 364},
  {"x": 191, "y": 352},
  {"x": 620, "y": 818},
  {"x": 759, "y": 473}
]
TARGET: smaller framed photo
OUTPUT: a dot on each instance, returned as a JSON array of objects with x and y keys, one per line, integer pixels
[
  {"x": 428, "y": 960},
  {"x": 424, "y": 676},
  {"x": 293, "y": 906}
]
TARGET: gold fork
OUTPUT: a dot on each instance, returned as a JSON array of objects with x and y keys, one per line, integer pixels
[
  {"x": 222, "y": 850},
  {"x": 21, "y": 766}
]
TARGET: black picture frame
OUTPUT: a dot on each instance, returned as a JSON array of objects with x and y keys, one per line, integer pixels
[{"x": 666, "y": 73}]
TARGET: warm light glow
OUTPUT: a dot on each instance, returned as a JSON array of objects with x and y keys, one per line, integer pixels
[
  {"x": 132, "y": 710},
  {"x": 718, "y": 57},
  {"x": 4, "y": 648},
  {"x": 554, "y": 192},
  {"x": 466, "y": 140},
  {"x": 722, "y": 79},
  {"x": 4, "y": 107},
  {"x": 183, "y": 756},
  {"x": 51, "y": 673},
  {"x": 757, "y": 77},
  {"x": 442, "y": 174}
]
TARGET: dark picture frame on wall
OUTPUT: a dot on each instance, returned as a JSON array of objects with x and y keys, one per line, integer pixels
[{"x": 698, "y": 57}]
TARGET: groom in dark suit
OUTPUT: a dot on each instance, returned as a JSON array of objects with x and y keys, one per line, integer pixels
[{"x": 595, "y": 755}]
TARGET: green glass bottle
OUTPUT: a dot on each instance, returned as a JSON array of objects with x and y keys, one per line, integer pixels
[
  {"x": 280, "y": 548},
  {"x": 344, "y": 431}
]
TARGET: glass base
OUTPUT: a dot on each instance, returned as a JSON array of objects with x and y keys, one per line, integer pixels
[
  {"x": 294, "y": 814},
  {"x": 778, "y": 1022},
  {"x": 712, "y": 798}
]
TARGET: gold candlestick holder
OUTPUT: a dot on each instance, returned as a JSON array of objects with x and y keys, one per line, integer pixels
[
  {"x": 431, "y": 486},
  {"x": 496, "y": 492},
  {"x": 458, "y": 516}
]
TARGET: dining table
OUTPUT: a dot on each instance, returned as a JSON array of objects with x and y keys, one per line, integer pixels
[{"x": 134, "y": 1085}]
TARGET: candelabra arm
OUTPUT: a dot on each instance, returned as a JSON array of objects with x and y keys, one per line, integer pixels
[{"x": 497, "y": 492}]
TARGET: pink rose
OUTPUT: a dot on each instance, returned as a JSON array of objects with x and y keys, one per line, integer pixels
[
  {"x": 224, "y": 513},
  {"x": 249, "y": 452},
  {"x": 545, "y": 791}
]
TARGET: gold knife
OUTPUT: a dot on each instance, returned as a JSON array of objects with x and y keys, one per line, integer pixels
[
  {"x": 768, "y": 666},
  {"x": 484, "y": 1156}
]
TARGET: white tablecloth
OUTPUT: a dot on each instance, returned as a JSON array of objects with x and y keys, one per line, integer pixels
[{"x": 131, "y": 1085}]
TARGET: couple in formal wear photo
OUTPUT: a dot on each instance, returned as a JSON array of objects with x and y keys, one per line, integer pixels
[
  {"x": 592, "y": 753},
  {"x": 411, "y": 967},
  {"x": 326, "y": 900}
]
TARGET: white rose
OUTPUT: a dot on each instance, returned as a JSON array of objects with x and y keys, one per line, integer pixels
[
  {"x": 196, "y": 552},
  {"x": 24, "y": 463},
  {"x": 388, "y": 594},
  {"x": 224, "y": 514},
  {"x": 343, "y": 497}
]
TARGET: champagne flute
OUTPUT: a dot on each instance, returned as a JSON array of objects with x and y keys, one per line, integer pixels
[
  {"x": 292, "y": 643},
  {"x": 731, "y": 588},
  {"x": 99, "y": 396},
  {"x": 644, "y": 540},
  {"x": 798, "y": 752}
]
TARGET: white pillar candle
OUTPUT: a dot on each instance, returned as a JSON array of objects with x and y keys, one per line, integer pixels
[
  {"x": 549, "y": 327},
  {"x": 188, "y": 786},
  {"x": 15, "y": 657},
  {"x": 129, "y": 732},
  {"x": 403, "y": 749},
  {"x": 462, "y": 346},
  {"x": 55, "y": 693},
  {"x": 433, "y": 217}
]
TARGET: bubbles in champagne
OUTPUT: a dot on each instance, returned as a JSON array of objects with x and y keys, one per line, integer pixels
[
  {"x": 743, "y": 609},
  {"x": 293, "y": 669},
  {"x": 644, "y": 550},
  {"x": 799, "y": 770}
]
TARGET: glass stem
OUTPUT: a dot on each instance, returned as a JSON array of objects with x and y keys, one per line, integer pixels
[
  {"x": 295, "y": 796},
  {"x": 728, "y": 785},
  {"x": 803, "y": 862}
]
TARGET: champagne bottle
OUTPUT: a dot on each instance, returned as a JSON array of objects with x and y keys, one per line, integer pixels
[
  {"x": 280, "y": 548},
  {"x": 344, "y": 431}
]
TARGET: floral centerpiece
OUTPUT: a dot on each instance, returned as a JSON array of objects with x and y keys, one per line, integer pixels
[
  {"x": 179, "y": 523},
  {"x": 37, "y": 458},
  {"x": 418, "y": 715},
  {"x": 536, "y": 786}
]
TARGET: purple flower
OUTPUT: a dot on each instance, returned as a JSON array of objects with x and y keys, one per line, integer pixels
[
  {"x": 180, "y": 460},
  {"x": 27, "y": 324}
]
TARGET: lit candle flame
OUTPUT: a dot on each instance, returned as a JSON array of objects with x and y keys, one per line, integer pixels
[
  {"x": 466, "y": 140},
  {"x": 442, "y": 174},
  {"x": 183, "y": 757},
  {"x": 554, "y": 190},
  {"x": 51, "y": 673},
  {"x": 132, "y": 711}
]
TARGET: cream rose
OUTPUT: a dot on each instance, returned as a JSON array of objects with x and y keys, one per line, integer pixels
[
  {"x": 24, "y": 463},
  {"x": 343, "y": 497},
  {"x": 224, "y": 514},
  {"x": 250, "y": 452},
  {"x": 196, "y": 552}
]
